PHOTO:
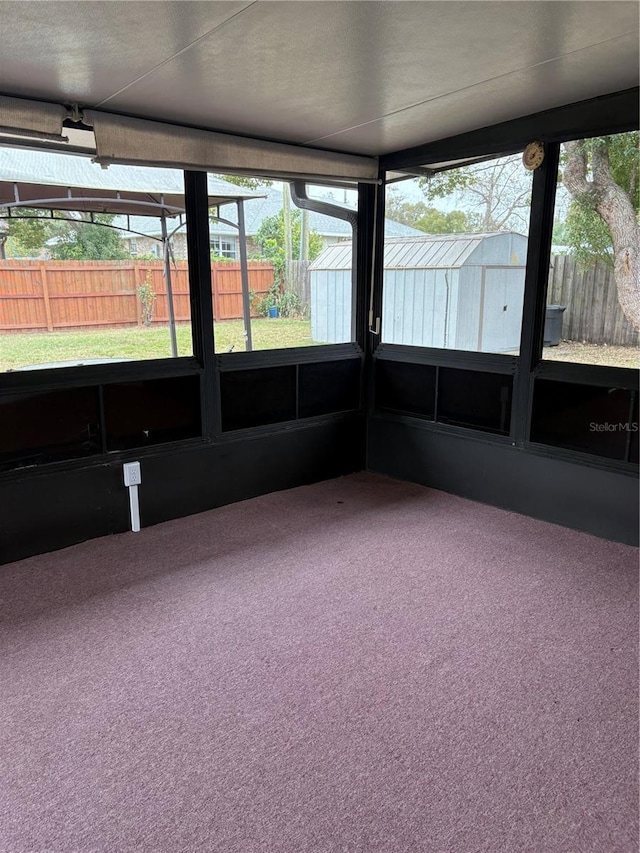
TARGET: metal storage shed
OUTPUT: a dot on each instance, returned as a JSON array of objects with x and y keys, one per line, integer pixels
[
  {"x": 332, "y": 294},
  {"x": 456, "y": 291}
]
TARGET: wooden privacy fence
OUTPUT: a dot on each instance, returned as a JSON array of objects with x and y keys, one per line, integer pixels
[
  {"x": 49, "y": 295},
  {"x": 593, "y": 312},
  {"x": 39, "y": 295}
]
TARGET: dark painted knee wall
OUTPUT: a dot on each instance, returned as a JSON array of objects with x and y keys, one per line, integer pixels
[
  {"x": 601, "y": 502},
  {"x": 49, "y": 509}
]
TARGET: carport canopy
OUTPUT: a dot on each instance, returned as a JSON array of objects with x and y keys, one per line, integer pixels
[
  {"x": 49, "y": 181},
  {"x": 54, "y": 181}
]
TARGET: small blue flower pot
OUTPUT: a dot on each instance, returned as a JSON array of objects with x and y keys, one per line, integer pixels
[{"x": 273, "y": 311}]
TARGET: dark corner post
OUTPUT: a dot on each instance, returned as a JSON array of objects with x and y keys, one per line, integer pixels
[
  {"x": 375, "y": 196},
  {"x": 370, "y": 248},
  {"x": 167, "y": 276},
  {"x": 363, "y": 235},
  {"x": 535, "y": 288},
  {"x": 244, "y": 272},
  {"x": 199, "y": 254}
]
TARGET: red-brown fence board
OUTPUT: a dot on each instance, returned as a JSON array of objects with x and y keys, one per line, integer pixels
[{"x": 48, "y": 295}]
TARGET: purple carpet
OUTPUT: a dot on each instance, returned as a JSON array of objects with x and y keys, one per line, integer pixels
[{"x": 359, "y": 665}]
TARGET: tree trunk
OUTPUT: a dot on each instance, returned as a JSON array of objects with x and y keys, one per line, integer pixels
[
  {"x": 304, "y": 235},
  {"x": 286, "y": 208},
  {"x": 616, "y": 209}
]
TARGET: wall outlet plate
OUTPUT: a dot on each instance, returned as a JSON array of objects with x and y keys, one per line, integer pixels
[{"x": 132, "y": 474}]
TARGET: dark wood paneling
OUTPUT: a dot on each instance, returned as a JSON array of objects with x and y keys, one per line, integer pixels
[
  {"x": 251, "y": 398},
  {"x": 475, "y": 400},
  {"x": 327, "y": 387},
  {"x": 39, "y": 428},
  {"x": 587, "y": 418},
  {"x": 601, "y": 502},
  {"x": 634, "y": 427},
  {"x": 406, "y": 387},
  {"x": 44, "y": 511},
  {"x": 141, "y": 414}
]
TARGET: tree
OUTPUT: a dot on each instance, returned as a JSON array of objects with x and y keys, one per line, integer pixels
[
  {"x": 497, "y": 192},
  {"x": 92, "y": 241},
  {"x": 249, "y": 183},
  {"x": 26, "y": 237},
  {"x": 74, "y": 239},
  {"x": 429, "y": 219},
  {"x": 271, "y": 239},
  {"x": 560, "y": 237},
  {"x": 601, "y": 176}
]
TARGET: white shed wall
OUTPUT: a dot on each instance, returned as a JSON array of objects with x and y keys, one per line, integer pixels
[
  {"x": 331, "y": 304},
  {"x": 490, "y": 308},
  {"x": 502, "y": 309},
  {"x": 468, "y": 309},
  {"x": 418, "y": 307}
]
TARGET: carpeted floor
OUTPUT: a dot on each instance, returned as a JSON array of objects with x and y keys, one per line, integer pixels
[{"x": 359, "y": 665}]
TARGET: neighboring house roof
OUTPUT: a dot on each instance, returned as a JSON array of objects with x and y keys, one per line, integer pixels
[
  {"x": 433, "y": 251},
  {"x": 256, "y": 210}
]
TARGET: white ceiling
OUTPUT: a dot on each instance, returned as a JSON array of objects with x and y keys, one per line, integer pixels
[{"x": 362, "y": 77}]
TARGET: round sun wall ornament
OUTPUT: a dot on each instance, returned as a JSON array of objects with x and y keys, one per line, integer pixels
[{"x": 533, "y": 155}]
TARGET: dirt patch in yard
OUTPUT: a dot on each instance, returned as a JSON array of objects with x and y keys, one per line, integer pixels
[{"x": 611, "y": 356}]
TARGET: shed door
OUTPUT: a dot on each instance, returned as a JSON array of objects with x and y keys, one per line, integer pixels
[{"x": 501, "y": 318}]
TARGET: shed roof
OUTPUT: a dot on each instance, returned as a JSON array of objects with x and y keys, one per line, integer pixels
[{"x": 428, "y": 251}]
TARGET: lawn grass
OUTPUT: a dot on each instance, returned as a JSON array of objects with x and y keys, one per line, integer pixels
[
  {"x": 22, "y": 349},
  {"x": 603, "y": 354},
  {"x": 266, "y": 334}
]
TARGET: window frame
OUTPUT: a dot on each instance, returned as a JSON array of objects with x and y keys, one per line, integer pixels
[
  {"x": 600, "y": 116},
  {"x": 541, "y": 365},
  {"x": 301, "y": 201},
  {"x": 466, "y": 161},
  {"x": 218, "y": 249}
]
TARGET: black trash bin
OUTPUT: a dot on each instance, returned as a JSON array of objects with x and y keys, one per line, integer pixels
[{"x": 553, "y": 325}]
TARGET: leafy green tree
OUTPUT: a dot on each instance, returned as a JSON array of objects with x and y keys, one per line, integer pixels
[
  {"x": 82, "y": 240},
  {"x": 451, "y": 222},
  {"x": 26, "y": 237},
  {"x": 601, "y": 176},
  {"x": 427, "y": 218},
  {"x": 271, "y": 239},
  {"x": 559, "y": 233},
  {"x": 587, "y": 235},
  {"x": 76, "y": 239}
]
